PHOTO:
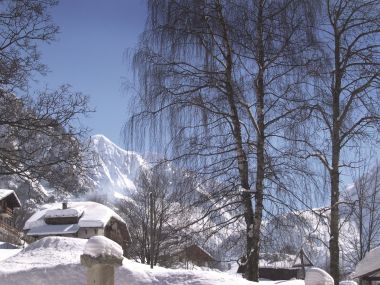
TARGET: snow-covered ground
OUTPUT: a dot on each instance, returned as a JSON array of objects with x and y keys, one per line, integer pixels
[
  {"x": 56, "y": 260},
  {"x": 6, "y": 253}
]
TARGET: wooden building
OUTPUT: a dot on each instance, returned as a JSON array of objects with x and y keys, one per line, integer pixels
[
  {"x": 368, "y": 269},
  {"x": 77, "y": 219},
  {"x": 196, "y": 255},
  {"x": 282, "y": 270},
  {"x": 8, "y": 202},
  {"x": 188, "y": 257}
]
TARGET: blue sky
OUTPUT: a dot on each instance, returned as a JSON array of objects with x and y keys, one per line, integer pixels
[{"x": 88, "y": 55}]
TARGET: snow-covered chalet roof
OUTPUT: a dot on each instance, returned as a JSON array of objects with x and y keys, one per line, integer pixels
[
  {"x": 369, "y": 264},
  {"x": 7, "y": 192},
  {"x": 92, "y": 215},
  {"x": 61, "y": 213}
]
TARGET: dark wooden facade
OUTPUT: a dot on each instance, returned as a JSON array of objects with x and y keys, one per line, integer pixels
[
  {"x": 279, "y": 273},
  {"x": 8, "y": 202},
  {"x": 197, "y": 255},
  {"x": 190, "y": 256},
  {"x": 301, "y": 262}
]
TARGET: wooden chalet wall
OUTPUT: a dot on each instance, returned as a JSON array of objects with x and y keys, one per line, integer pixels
[
  {"x": 278, "y": 273},
  {"x": 8, "y": 231}
]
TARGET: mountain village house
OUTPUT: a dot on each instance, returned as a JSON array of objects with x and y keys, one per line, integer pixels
[
  {"x": 282, "y": 269},
  {"x": 77, "y": 219},
  {"x": 189, "y": 256},
  {"x": 196, "y": 255},
  {"x": 368, "y": 269},
  {"x": 8, "y": 202}
]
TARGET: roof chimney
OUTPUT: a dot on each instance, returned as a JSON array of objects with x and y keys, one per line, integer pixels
[{"x": 64, "y": 205}]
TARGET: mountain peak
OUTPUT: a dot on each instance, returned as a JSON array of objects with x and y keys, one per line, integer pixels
[{"x": 117, "y": 169}]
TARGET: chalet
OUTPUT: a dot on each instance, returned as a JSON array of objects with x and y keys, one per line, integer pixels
[
  {"x": 77, "y": 219},
  {"x": 282, "y": 269},
  {"x": 196, "y": 255},
  {"x": 368, "y": 269},
  {"x": 8, "y": 202},
  {"x": 189, "y": 256}
]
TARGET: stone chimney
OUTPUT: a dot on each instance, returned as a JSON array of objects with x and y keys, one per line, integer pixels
[{"x": 64, "y": 205}]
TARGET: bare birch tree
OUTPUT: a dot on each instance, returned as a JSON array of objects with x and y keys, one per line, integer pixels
[
  {"x": 345, "y": 103},
  {"x": 224, "y": 79}
]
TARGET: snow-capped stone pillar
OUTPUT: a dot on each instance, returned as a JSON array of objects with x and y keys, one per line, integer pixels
[
  {"x": 317, "y": 276},
  {"x": 101, "y": 255}
]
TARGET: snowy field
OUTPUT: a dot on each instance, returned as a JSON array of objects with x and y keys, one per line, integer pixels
[{"x": 56, "y": 260}]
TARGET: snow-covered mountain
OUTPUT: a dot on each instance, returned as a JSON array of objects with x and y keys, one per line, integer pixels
[
  {"x": 114, "y": 175},
  {"x": 117, "y": 169}
]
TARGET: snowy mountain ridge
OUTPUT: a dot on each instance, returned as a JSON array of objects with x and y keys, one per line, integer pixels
[{"x": 117, "y": 168}]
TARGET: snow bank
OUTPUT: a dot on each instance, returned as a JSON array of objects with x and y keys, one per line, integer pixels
[
  {"x": 44, "y": 253},
  {"x": 370, "y": 263},
  {"x": 317, "y": 276},
  {"x": 56, "y": 260},
  {"x": 102, "y": 246}
]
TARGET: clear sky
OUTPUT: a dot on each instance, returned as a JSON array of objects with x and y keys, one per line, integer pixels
[{"x": 88, "y": 54}]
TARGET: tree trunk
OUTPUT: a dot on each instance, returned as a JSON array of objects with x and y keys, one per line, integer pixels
[
  {"x": 260, "y": 159},
  {"x": 240, "y": 152},
  {"x": 334, "y": 171},
  {"x": 334, "y": 224}
]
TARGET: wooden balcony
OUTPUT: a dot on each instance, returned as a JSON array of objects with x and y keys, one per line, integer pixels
[
  {"x": 6, "y": 212},
  {"x": 9, "y": 228}
]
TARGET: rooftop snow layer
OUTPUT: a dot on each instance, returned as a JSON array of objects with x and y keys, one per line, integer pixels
[
  {"x": 6, "y": 192},
  {"x": 94, "y": 215},
  {"x": 370, "y": 263},
  {"x": 64, "y": 213}
]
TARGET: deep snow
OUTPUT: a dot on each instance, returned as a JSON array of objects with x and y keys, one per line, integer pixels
[{"x": 56, "y": 260}]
